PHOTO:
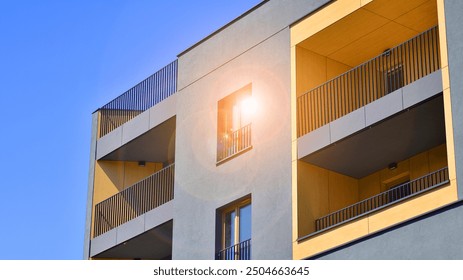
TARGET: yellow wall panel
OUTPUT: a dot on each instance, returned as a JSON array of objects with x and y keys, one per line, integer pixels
[
  {"x": 134, "y": 173},
  {"x": 335, "y": 68},
  {"x": 343, "y": 191},
  {"x": 109, "y": 179},
  {"x": 419, "y": 165},
  {"x": 437, "y": 158},
  {"x": 311, "y": 70},
  {"x": 112, "y": 177},
  {"x": 312, "y": 196},
  {"x": 369, "y": 186}
]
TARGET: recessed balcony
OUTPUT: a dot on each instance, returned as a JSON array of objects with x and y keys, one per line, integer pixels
[
  {"x": 134, "y": 201},
  {"x": 384, "y": 199},
  {"x": 137, "y": 221},
  {"x": 392, "y": 70},
  {"x": 331, "y": 195}
]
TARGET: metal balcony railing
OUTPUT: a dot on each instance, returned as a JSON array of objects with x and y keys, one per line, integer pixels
[
  {"x": 234, "y": 143},
  {"x": 134, "y": 201},
  {"x": 240, "y": 251},
  {"x": 141, "y": 97},
  {"x": 369, "y": 81},
  {"x": 384, "y": 199}
]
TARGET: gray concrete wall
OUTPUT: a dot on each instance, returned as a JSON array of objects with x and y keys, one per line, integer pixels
[
  {"x": 453, "y": 12},
  {"x": 264, "y": 172},
  {"x": 91, "y": 176},
  {"x": 241, "y": 36},
  {"x": 433, "y": 236},
  {"x": 256, "y": 50}
]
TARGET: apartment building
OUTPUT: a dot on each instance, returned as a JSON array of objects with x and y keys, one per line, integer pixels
[{"x": 303, "y": 129}]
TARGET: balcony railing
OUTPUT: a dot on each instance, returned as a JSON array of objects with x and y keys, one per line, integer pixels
[
  {"x": 134, "y": 201},
  {"x": 369, "y": 81},
  {"x": 384, "y": 199},
  {"x": 234, "y": 143},
  {"x": 240, "y": 251},
  {"x": 141, "y": 97}
]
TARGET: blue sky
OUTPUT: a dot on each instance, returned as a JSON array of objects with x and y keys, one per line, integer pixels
[{"x": 59, "y": 62}]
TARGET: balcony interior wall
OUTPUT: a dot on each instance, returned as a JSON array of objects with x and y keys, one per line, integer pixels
[
  {"x": 322, "y": 191},
  {"x": 112, "y": 177},
  {"x": 313, "y": 69}
]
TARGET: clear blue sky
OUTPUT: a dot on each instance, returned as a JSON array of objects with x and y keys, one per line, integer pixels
[{"x": 59, "y": 62}]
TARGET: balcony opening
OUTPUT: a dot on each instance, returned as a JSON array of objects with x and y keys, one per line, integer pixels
[
  {"x": 394, "y": 79},
  {"x": 153, "y": 244},
  {"x": 234, "y": 231},
  {"x": 234, "y": 124},
  {"x": 345, "y": 66},
  {"x": 133, "y": 192},
  {"x": 354, "y": 177}
]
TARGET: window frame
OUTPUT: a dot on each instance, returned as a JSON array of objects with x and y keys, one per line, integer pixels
[
  {"x": 222, "y": 249},
  {"x": 234, "y": 134},
  {"x": 235, "y": 207}
]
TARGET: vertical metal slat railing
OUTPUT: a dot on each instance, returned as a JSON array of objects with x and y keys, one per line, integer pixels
[
  {"x": 134, "y": 201},
  {"x": 240, "y": 251},
  {"x": 139, "y": 98},
  {"x": 403, "y": 191},
  {"x": 234, "y": 143}
]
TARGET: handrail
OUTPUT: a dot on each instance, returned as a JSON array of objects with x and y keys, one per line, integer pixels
[
  {"x": 139, "y": 98},
  {"x": 384, "y": 199},
  {"x": 234, "y": 143},
  {"x": 240, "y": 251},
  {"x": 369, "y": 81},
  {"x": 134, "y": 201}
]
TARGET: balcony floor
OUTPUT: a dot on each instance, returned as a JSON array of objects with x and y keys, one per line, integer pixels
[
  {"x": 154, "y": 244},
  {"x": 142, "y": 148},
  {"x": 154, "y": 221}
]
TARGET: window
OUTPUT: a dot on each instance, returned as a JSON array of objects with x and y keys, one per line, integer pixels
[
  {"x": 235, "y": 232},
  {"x": 399, "y": 191},
  {"x": 398, "y": 187},
  {"x": 394, "y": 79},
  {"x": 234, "y": 124}
]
